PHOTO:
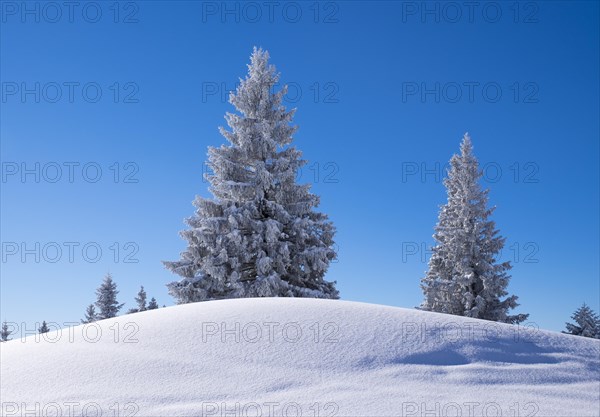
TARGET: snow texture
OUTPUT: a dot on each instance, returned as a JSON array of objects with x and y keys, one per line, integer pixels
[{"x": 300, "y": 356}]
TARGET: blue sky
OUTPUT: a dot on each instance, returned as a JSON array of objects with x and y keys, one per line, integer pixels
[{"x": 384, "y": 93}]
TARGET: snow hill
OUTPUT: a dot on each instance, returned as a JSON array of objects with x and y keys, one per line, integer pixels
[{"x": 299, "y": 357}]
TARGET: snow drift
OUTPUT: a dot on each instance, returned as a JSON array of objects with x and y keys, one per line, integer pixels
[{"x": 299, "y": 357}]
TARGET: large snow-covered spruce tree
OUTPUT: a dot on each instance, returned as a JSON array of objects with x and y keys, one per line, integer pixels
[
  {"x": 260, "y": 235},
  {"x": 464, "y": 276}
]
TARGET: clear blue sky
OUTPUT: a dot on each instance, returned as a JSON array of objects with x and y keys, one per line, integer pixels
[{"x": 384, "y": 93}]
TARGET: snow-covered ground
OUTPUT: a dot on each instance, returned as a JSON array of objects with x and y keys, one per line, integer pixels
[{"x": 299, "y": 357}]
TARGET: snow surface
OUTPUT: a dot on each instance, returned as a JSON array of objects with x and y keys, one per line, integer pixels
[{"x": 299, "y": 357}]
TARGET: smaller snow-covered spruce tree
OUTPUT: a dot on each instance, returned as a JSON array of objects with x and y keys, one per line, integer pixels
[
  {"x": 152, "y": 305},
  {"x": 260, "y": 236},
  {"x": 4, "y": 333},
  {"x": 44, "y": 328},
  {"x": 587, "y": 323},
  {"x": 464, "y": 277},
  {"x": 90, "y": 315},
  {"x": 106, "y": 300},
  {"x": 140, "y": 301}
]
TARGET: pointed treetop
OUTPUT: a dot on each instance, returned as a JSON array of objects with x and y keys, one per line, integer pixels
[
  {"x": 253, "y": 97},
  {"x": 259, "y": 61},
  {"x": 466, "y": 146}
]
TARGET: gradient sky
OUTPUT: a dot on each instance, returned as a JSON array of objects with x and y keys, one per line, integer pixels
[{"x": 384, "y": 92}]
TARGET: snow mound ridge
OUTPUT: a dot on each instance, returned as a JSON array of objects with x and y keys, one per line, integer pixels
[{"x": 299, "y": 357}]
